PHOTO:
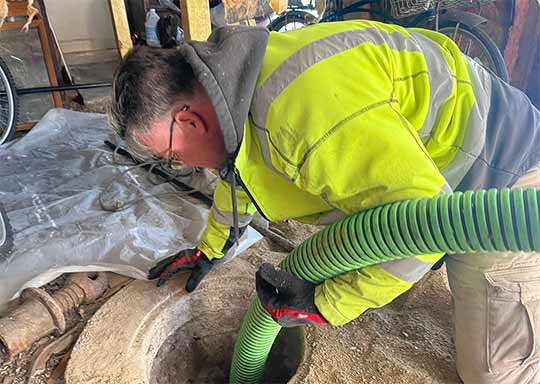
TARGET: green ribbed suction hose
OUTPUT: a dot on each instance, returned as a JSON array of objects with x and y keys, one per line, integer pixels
[{"x": 491, "y": 220}]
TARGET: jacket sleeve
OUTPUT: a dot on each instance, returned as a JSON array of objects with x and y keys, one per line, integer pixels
[
  {"x": 373, "y": 159},
  {"x": 218, "y": 237}
]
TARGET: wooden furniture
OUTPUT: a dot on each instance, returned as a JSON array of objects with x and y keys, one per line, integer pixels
[{"x": 18, "y": 9}]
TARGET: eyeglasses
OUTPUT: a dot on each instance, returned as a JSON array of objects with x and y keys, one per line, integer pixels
[{"x": 173, "y": 163}]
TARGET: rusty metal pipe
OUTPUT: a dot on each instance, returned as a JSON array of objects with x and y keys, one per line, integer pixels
[
  {"x": 19, "y": 329},
  {"x": 41, "y": 314}
]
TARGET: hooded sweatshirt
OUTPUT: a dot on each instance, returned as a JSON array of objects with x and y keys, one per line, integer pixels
[{"x": 336, "y": 118}]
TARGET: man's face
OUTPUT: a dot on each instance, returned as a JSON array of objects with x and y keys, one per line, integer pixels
[{"x": 189, "y": 135}]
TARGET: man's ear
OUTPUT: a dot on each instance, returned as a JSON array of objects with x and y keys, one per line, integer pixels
[{"x": 191, "y": 119}]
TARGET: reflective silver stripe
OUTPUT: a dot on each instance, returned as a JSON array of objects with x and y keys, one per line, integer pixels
[
  {"x": 411, "y": 269},
  {"x": 226, "y": 218},
  {"x": 315, "y": 52},
  {"x": 331, "y": 217},
  {"x": 440, "y": 82},
  {"x": 475, "y": 138},
  {"x": 446, "y": 188}
]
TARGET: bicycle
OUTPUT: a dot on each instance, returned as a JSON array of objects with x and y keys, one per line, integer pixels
[
  {"x": 8, "y": 104},
  {"x": 445, "y": 16}
]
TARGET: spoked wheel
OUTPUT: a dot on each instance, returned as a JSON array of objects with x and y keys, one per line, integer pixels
[
  {"x": 291, "y": 20},
  {"x": 8, "y": 104},
  {"x": 6, "y": 235},
  {"x": 476, "y": 44}
]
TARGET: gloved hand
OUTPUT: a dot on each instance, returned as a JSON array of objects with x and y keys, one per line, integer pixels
[
  {"x": 187, "y": 260},
  {"x": 289, "y": 300}
]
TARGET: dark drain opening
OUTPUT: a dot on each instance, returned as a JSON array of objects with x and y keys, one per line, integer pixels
[{"x": 201, "y": 353}]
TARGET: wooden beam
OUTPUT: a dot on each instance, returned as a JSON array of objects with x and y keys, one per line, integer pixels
[
  {"x": 527, "y": 52},
  {"x": 17, "y": 8},
  {"x": 195, "y": 19},
  {"x": 514, "y": 35},
  {"x": 240, "y": 10},
  {"x": 48, "y": 58},
  {"x": 25, "y": 126},
  {"x": 19, "y": 24},
  {"x": 521, "y": 50},
  {"x": 121, "y": 26}
]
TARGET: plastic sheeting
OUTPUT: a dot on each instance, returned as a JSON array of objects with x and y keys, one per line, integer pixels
[{"x": 50, "y": 186}]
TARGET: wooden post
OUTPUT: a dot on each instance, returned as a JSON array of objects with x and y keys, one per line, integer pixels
[
  {"x": 121, "y": 26},
  {"x": 19, "y": 9},
  {"x": 246, "y": 10},
  {"x": 47, "y": 56},
  {"x": 522, "y": 51},
  {"x": 195, "y": 19}
]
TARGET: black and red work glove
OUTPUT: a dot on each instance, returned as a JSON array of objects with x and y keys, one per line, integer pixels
[
  {"x": 289, "y": 300},
  {"x": 187, "y": 260}
]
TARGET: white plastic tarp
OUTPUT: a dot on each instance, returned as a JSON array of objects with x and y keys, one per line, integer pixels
[{"x": 50, "y": 184}]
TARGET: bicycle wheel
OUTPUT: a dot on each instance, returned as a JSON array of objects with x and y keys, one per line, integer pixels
[
  {"x": 291, "y": 20},
  {"x": 6, "y": 235},
  {"x": 476, "y": 44},
  {"x": 8, "y": 104}
]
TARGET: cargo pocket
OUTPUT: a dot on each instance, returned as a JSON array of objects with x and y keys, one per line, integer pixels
[{"x": 513, "y": 317}]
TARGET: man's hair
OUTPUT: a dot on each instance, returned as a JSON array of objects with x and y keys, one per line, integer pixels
[{"x": 145, "y": 85}]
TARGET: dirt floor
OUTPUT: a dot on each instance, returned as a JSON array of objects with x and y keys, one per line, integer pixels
[{"x": 408, "y": 341}]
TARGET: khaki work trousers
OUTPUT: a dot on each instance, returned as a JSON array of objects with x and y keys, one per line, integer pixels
[{"x": 496, "y": 301}]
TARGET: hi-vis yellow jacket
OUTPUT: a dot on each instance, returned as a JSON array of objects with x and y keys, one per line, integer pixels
[{"x": 344, "y": 117}]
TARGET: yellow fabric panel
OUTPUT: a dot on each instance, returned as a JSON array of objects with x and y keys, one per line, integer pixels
[
  {"x": 373, "y": 159},
  {"x": 347, "y": 296},
  {"x": 322, "y": 97},
  {"x": 278, "y": 198},
  {"x": 214, "y": 239},
  {"x": 432, "y": 258},
  {"x": 411, "y": 85},
  {"x": 222, "y": 199}
]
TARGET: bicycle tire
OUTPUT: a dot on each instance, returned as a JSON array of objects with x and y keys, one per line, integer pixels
[
  {"x": 301, "y": 17},
  {"x": 6, "y": 235},
  {"x": 497, "y": 65},
  {"x": 8, "y": 120}
]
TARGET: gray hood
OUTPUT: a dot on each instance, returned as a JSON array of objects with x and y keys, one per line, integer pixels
[{"x": 227, "y": 65}]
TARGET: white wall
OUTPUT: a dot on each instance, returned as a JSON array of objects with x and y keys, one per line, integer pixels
[{"x": 81, "y": 25}]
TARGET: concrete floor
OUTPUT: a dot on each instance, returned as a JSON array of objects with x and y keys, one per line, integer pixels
[
  {"x": 24, "y": 58},
  {"x": 93, "y": 68}
]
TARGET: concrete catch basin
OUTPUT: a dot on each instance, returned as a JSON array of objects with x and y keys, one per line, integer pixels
[{"x": 150, "y": 335}]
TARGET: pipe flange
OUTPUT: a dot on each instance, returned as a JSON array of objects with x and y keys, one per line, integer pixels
[
  {"x": 93, "y": 284},
  {"x": 55, "y": 310}
]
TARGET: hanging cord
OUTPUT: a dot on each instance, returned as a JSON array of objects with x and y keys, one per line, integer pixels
[
  {"x": 117, "y": 205},
  {"x": 177, "y": 183}
]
